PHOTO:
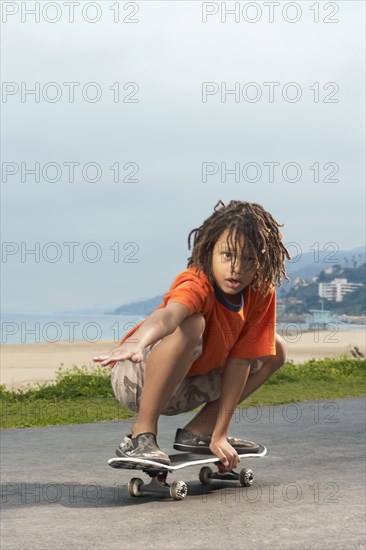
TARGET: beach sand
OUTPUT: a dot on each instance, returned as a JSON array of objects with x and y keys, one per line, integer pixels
[{"x": 22, "y": 364}]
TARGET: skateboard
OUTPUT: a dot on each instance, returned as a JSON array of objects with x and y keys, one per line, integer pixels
[{"x": 178, "y": 489}]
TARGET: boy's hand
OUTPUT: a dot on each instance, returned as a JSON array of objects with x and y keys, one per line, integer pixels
[
  {"x": 225, "y": 452},
  {"x": 131, "y": 351}
]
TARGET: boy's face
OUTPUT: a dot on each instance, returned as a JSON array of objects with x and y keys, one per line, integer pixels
[{"x": 232, "y": 279}]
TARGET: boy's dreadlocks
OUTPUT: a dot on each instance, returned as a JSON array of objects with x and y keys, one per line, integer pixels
[{"x": 262, "y": 241}]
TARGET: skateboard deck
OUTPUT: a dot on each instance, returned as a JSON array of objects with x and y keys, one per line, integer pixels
[{"x": 178, "y": 489}]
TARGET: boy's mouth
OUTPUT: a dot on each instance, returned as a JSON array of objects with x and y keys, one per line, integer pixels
[{"x": 233, "y": 282}]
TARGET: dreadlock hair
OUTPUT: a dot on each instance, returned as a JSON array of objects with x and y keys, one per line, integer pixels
[{"x": 262, "y": 241}]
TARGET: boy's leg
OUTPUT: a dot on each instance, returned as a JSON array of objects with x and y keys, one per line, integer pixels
[
  {"x": 147, "y": 386},
  {"x": 204, "y": 422},
  {"x": 166, "y": 366},
  {"x": 271, "y": 363}
]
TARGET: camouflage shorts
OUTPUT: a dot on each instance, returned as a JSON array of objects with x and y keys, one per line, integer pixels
[{"x": 127, "y": 380}]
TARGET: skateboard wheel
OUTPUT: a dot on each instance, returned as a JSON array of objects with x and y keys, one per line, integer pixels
[
  {"x": 205, "y": 475},
  {"x": 178, "y": 490},
  {"x": 134, "y": 487},
  {"x": 246, "y": 477}
]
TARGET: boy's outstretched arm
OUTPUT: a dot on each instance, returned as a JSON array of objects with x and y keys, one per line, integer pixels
[
  {"x": 157, "y": 325},
  {"x": 235, "y": 375}
]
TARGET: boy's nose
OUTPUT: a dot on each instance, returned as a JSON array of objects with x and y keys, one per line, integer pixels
[{"x": 236, "y": 269}]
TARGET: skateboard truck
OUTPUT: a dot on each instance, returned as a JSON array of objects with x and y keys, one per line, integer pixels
[
  {"x": 158, "y": 485},
  {"x": 245, "y": 476}
]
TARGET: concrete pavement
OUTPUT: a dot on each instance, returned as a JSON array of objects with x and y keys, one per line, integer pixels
[{"x": 59, "y": 492}]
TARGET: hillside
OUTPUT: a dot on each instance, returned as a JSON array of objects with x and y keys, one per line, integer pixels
[
  {"x": 143, "y": 307},
  {"x": 352, "y": 274},
  {"x": 307, "y": 293},
  {"x": 310, "y": 264}
]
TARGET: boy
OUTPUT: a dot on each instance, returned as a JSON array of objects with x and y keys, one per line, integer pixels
[{"x": 212, "y": 341}]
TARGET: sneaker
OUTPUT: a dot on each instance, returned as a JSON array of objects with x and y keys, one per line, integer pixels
[
  {"x": 142, "y": 446},
  {"x": 189, "y": 442}
]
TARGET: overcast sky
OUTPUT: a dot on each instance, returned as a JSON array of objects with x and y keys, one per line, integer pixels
[{"x": 172, "y": 133}]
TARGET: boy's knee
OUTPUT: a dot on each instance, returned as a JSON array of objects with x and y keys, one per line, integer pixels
[
  {"x": 280, "y": 357},
  {"x": 127, "y": 380},
  {"x": 193, "y": 326},
  {"x": 275, "y": 361}
]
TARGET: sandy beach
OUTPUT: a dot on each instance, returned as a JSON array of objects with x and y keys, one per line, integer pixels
[{"x": 22, "y": 364}]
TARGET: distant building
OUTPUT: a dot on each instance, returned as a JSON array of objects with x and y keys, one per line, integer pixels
[
  {"x": 293, "y": 301},
  {"x": 300, "y": 282},
  {"x": 336, "y": 289},
  {"x": 318, "y": 318}
]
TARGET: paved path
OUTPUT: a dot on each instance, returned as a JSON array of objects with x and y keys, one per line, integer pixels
[{"x": 58, "y": 491}]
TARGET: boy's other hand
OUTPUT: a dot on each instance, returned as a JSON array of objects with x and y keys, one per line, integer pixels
[
  {"x": 225, "y": 452},
  {"x": 131, "y": 351}
]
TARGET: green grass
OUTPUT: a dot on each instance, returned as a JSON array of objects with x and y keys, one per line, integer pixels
[{"x": 82, "y": 395}]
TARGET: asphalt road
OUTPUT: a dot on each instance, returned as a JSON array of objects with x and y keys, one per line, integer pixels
[{"x": 309, "y": 492}]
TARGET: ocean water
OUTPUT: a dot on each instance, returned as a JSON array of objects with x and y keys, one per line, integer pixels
[
  {"x": 29, "y": 328},
  {"x": 17, "y": 328}
]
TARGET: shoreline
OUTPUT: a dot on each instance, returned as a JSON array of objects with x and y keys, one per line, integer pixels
[{"x": 23, "y": 364}]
